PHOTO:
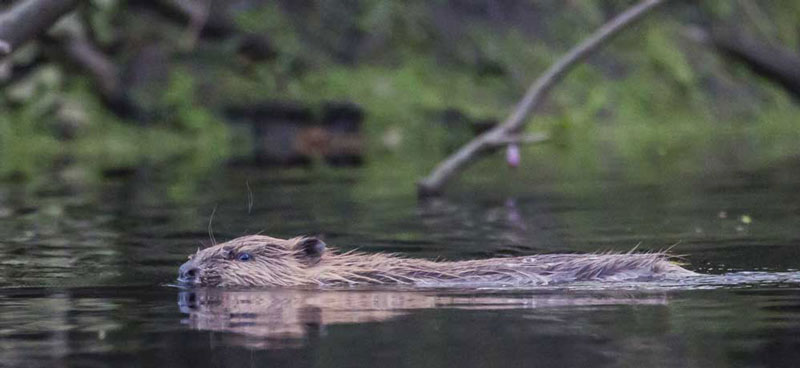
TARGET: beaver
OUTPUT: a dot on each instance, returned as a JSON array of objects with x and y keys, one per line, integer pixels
[{"x": 263, "y": 261}]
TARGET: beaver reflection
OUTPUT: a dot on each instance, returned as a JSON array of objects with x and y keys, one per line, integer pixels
[{"x": 288, "y": 317}]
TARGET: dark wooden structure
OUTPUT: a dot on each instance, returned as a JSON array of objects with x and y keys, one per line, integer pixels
[{"x": 289, "y": 134}]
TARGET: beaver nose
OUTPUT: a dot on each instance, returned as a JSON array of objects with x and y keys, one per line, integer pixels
[{"x": 187, "y": 272}]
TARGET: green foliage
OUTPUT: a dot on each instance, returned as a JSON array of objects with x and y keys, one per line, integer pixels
[
  {"x": 101, "y": 140},
  {"x": 184, "y": 112},
  {"x": 22, "y": 148},
  {"x": 652, "y": 99},
  {"x": 101, "y": 19}
]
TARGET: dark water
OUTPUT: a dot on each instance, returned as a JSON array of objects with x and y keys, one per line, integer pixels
[{"x": 85, "y": 266}]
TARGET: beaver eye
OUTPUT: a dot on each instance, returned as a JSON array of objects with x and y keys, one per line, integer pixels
[{"x": 244, "y": 257}]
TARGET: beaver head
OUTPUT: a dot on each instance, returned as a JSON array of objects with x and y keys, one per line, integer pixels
[{"x": 254, "y": 260}]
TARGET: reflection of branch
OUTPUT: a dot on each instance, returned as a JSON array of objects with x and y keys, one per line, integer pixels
[
  {"x": 436, "y": 180},
  {"x": 28, "y": 19}
]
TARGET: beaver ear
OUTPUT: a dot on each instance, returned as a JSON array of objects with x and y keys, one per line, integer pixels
[{"x": 311, "y": 249}]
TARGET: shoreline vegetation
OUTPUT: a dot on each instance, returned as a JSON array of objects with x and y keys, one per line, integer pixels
[{"x": 655, "y": 101}]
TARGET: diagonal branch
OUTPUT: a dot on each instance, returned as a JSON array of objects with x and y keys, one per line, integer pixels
[
  {"x": 29, "y": 19},
  {"x": 777, "y": 63},
  {"x": 435, "y": 181},
  {"x": 520, "y": 139}
]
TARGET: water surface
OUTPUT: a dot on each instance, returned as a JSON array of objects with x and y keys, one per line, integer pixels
[{"x": 85, "y": 268}]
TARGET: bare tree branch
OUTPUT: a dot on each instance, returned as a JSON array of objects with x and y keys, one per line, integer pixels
[
  {"x": 435, "y": 181},
  {"x": 216, "y": 22},
  {"x": 769, "y": 59},
  {"x": 14, "y": 72},
  {"x": 71, "y": 44},
  {"x": 29, "y": 19},
  {"x": 520, "y": 139}
]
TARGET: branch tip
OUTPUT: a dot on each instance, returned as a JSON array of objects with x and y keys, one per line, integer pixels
[{"x": 5, "y": 47}]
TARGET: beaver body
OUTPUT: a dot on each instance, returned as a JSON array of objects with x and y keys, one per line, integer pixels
[{"x": 263, "y": 261}]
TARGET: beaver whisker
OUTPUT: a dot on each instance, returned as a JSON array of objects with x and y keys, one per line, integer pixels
[{"x": 210, "y": 228}]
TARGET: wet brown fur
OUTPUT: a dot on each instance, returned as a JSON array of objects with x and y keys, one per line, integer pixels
[{"x": 305, "y": 261}]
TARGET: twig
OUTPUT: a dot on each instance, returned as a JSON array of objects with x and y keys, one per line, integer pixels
[
  {"x": 197, "y": 21},
  {"x": 71, "y": 44},
  {"x": 76, "y": 48},
  {"x": 435, "y": 181},
  {"x": 520, "y": 139}
]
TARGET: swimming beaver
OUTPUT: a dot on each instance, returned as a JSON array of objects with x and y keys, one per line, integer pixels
[{"x": 258, "y": 260}]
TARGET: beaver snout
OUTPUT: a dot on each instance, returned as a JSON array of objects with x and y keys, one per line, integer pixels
[{"x": 187, "y": 273}]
